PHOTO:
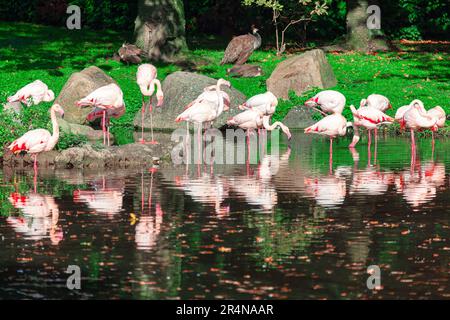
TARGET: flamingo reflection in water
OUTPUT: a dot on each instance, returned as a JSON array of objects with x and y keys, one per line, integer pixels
[
  {"x": 40, "y": 217},
  {"x": 106, "y": 198},
  {"x": 148, "y": 227}
]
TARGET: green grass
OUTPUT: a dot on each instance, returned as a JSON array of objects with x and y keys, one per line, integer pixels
[{"x": 31, "y": 52}]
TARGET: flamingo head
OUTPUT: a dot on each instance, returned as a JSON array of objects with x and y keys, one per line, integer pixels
[
  {"x": 160, "y": 98},
  {"x": 254, "y": 29},
  {"x": 363, "y": 103},
  {"x": 223, "y": 82},
  {"x": 313, "y": 102},
  {"x": 57, "y": 108},
  {"x": 49, "y": 96}
]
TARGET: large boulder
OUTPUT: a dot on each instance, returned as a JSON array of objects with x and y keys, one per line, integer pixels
[
  {"x": 78, "y": 86},
  {"x": 79, "y": 129},
  {"x": 180, "y": 88},
  {"x": 299, "y": 118},
  {"x": 301, "y": 73}
]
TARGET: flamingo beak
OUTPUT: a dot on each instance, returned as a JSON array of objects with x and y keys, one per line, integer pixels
[
  {"x": 311, "y": 102},
  {"x": 160, "y": 101},
  {"x": 62, "y": 114}
]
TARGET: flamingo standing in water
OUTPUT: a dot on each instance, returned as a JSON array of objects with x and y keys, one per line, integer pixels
[
  {"x": 33, "y": 93},
  {"x": 37, "y": 141},
  {"x": 146, "y": 79},
  {"x": 264, "y": 102},
  {"x": 416, "y": 118},
  {"x": 331, "y": 126},
  {"x": 439, "y": 114},
  {"x": 379, "y": 102},
  {"x": 107, "y": 102},
  {"x": 329, "y": 101},
  {"x": 369, "y": 118},
  {"x": 204, "y": 110}
]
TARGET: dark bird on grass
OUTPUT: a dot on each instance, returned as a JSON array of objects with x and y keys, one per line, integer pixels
[
  {"x": 130, "y": 53},
  {"x": 245, "y": 71},
  {"x": 240, "y": 48}
]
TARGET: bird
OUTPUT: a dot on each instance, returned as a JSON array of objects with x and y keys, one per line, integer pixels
[
  {"x": 331, "y": 126},
  {"x": 252, "y": 119},
  {"x": 130, "y": 53},
  {"x": 209, "y": 94},
  {"x": 241, "y": 47},
  {"x": 265, "y": 102},
  {"x": 107, "y": 102},
  {"x": 439, "y": 114},
  {"x": 205, "y": 111},
  {"x": 329, "y": 101},
  {"x": 245, "y": 71},
  {"x": 33, "y": 94},
  {"x": 37, "y": 141},
  {"x": 376, "y": 101},
  {"x": 146, "y": 80},
  {"x": 369, "y": 118},
  {"x": 416, "y": 118}
]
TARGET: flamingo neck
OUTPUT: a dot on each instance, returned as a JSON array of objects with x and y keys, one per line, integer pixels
[
  {"x": 220, "y": 99},
  {"x": 55, "y": 134}
]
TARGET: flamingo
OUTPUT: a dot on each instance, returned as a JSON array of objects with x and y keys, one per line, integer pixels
[
  {"x": 253, "y": 119},
  {"x": 376, "y": 101},
  {"x": 107, "y": 102},
  {"x": 204, "y": 110},
  {"x": 33, "y": 94},
  {"x": 146, "y": 80},
  {"x": 439, "y": 114},
  {"x": 332, "y": 126},
  {"x": 37, "y": 141},
  {"x": 416, "y": 118},
  {"x": 264, "y": 102},
  {"x": 329, "y": 101},
  {"x": 209, "y": 94},
  {"x": 369, "y": 118}
]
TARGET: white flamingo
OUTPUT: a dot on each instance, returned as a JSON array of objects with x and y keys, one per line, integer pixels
[
  {"x": 107, "y": 102},
  {"x": 146, "y": 80},
  {"x": 33, "y": 94},
  {"x": 329, "y": 101}
]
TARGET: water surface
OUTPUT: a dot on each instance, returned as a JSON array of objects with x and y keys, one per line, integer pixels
[{"x": 294, "y": 229}]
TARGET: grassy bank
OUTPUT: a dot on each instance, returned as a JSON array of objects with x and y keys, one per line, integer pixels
[{"x": 30, "y": 52}]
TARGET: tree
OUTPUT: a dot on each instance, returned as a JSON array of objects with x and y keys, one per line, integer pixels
[
  {"x": 160, "y": 28},
  {"x": 359, "y": 36},
  {"x": 288, "y": 13}
]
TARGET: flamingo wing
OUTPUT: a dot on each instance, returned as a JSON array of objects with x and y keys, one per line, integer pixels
[{"x": 33, "y": 141}]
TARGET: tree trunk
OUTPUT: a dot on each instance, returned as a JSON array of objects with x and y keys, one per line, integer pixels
[
  {"x": 359, "y": 36},
  {"x": 160, "y": 28}
]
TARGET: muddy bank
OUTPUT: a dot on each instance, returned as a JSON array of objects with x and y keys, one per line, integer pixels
[{"x": 97, "y": 157}]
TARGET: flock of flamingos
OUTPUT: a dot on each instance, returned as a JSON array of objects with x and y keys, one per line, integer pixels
[{"x": 107, "y": 102}]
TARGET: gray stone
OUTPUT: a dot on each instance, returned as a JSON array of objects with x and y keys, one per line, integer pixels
[
  {"x": 91, "y": 134},
  {"x": 78, "y": 86},
  {"x": 301, "y": 73},
  {"x": 180, "y": 88},
  {"x": 299, "y": 118}
]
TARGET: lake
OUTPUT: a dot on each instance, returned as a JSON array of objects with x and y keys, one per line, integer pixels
[{"x": 296, "y": 228}]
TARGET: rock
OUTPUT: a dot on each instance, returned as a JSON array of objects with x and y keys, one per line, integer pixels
[
  {"x": 180, "y": 88},
  {"x": 15, "y": 107},
  {"x": 78, "y": 86},
  {"x": 299, "y": 118},
  {"x": 301, "y": 73},
  {"x": 91, "y": 134}
]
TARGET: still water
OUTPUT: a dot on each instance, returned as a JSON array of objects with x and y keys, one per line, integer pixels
[{"x": 295, "y": 230}]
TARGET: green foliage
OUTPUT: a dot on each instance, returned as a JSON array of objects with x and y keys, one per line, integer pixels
[{"x": 69, "y": 140}]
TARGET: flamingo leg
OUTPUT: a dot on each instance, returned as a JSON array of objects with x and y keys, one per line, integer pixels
[
  {"x": 376, "y": 147},
  {"x": 35, "y": 173},
  {"x": 432, "y": 144},
  {"x": 142, "y": 120},
  {"x": 103, "y": 127},
  {"x": 331, "y": 155},
  {"x": 150, "y": 108}
]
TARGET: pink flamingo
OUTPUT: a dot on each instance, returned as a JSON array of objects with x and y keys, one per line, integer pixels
[
  {"x": 331, "y": 126},
  {"x": 146, "y": 79},
  {"x": 369, "y": 118},
  {"x": 329, "y": 101},
  {"x": 33, "y": 93},
  {"x": 379, "y": 102},
  {"x": 37, "y": 141},
  {"x": 439, "y": 114},
  {"x": 265, "y": 102},
  {"x": 107, "y": 102},
  {"x": 204, "y": 111},
  {"x": 416, "y": 119},
  {"x": 209, "y": 94}
]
